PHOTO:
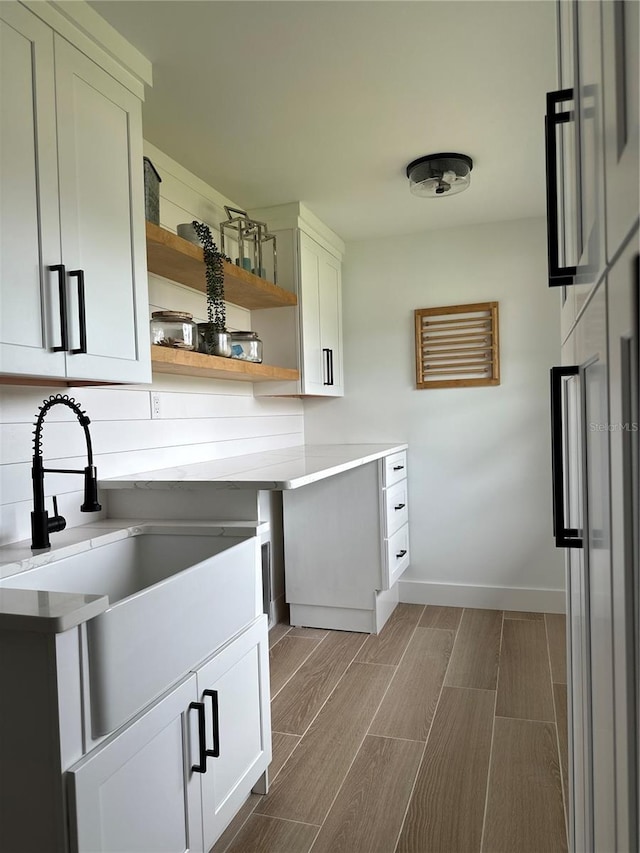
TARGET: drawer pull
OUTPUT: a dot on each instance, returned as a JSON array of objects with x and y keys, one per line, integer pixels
[
  {"x": 398, "y": 467},
  {"x": 401, "y": 554},
  {"x": 399, "y": 506}
]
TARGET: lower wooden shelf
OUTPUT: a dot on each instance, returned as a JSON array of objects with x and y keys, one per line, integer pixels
[{"x": 187, "y": 363}]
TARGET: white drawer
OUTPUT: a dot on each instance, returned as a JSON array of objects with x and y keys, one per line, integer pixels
[
  {"x": 397, "y": 555},
  {"x": 396, "y": 507},
  {"x": 395, "y": 468}
]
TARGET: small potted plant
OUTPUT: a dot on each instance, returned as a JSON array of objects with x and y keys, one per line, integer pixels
[{"x": 217, "y": 338}]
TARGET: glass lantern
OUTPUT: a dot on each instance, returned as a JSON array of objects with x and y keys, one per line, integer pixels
[{"x": 251, "y": 238}]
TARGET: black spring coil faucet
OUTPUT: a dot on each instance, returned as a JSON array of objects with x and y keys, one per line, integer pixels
[{"x": 41, "y": 524}]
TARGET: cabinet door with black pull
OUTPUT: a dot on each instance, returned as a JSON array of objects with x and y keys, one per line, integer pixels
[{"x": 233, "y": 687}]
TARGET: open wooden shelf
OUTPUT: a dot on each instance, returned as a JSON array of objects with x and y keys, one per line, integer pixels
[
  {"x": 188, "y": 363},
  {"x": 173, "y": 257}
]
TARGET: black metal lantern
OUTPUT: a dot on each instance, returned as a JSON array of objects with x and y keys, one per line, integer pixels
[{"x": 251, "y": 238}]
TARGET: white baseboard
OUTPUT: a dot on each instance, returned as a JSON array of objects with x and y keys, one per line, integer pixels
[{"x": 486, "y": 597}]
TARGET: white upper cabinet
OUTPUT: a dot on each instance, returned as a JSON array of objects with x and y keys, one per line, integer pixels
[
  {"x": 309, "y": 336},
  {"x": 589, "y": 109},
  {"x": 567, "y": 200},
  {"x": 575, "y": 156},
  {"x": 620, "y": 39},
  {"x": 73, "y": 201},
  {"x": 29, "y": 315},
  {"x": 102, "y": 219},
  {"x": 320, "y": 296}
]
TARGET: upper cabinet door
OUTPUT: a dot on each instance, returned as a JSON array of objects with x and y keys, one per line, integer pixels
[
  {"x": 589, "y": 108},
  {"x": 565, "y": 134},
  {"x": 30, "y": 322},
  {"x": 575, "y": 155},
  {"x": 331, "y": 323},
  {"x": 311, "y": 356},
  {"x": 621, "y": 36},
  {"x": 102, "y": 220},
  {"x": 320, "y": 292}
]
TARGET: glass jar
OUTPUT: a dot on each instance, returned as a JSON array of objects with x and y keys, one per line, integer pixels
[
  {"x": 246, "y": 346},
  {"x": 174, "y": 329},
  {"x": 220, "y": 345}
]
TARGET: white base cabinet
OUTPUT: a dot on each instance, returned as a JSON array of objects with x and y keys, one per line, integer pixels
[
  {"x": 174, "y": 777},
  {"x": 234, "y": 687},
  {"x": 137, "y": 792},
  {"x": 346, "y": 541}
]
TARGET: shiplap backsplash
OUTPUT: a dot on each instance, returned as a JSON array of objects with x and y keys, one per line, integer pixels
[{"x": 199, "y": 419}]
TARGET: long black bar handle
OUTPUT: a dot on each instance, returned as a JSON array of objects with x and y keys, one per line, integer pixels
[
  {"x": 62, "y": 304},
  {"x": 201, "y": 767},
  {"x": 82, "y": 312},
  {"x": 215, "y": 752},
  {"x": 558, "y": 275},
  {"x": 566, "y": 537},
  {"x": 326, "y": 354},
  {"x": 331, "y": 366}
]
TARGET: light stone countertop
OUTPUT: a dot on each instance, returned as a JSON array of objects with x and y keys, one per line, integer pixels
[
  {"x": 288, "y": 468},
  {"x": 47, "y": 612}
]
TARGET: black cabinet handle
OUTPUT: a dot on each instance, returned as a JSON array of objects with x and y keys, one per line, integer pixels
[
  {"x": 401, "y": 554},
  {"x": 215, "y": 752},
  {"x": 328, "y": 364},
  {"x": 398, "y": 467},
  {"x": 62, "y": 299},
  {"x": 82, "y": 311},
  {"x": 558, "y": 275},
  {"x": 201, "y": 767},
  {"x": 399, "y": 506},
  {"x": 566, "y": 537}
]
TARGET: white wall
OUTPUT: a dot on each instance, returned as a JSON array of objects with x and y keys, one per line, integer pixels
[
  {"x": 199, "y": 419},
  {"x": 479, "y": 464}
]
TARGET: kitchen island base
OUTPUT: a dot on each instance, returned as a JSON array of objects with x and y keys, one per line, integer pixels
[{"x": 346, "y": 544}]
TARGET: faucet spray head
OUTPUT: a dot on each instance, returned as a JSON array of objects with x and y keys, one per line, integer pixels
[{"x": 90, "y": 503}]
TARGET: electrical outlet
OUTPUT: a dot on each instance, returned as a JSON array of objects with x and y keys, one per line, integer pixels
[{"x": 155, "y": 405}]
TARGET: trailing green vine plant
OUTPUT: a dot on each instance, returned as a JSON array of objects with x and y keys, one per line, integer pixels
[{"x": 214, "y": 271}]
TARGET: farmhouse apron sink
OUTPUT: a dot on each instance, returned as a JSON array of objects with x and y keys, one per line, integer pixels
[{"x": 169, "y": 595}]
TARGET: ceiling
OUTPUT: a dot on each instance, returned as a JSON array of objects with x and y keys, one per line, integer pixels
[{"x": 327, "y": 102}]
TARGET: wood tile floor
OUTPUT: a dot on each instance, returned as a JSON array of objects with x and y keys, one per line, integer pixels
[{"x": 446, "y": 733}]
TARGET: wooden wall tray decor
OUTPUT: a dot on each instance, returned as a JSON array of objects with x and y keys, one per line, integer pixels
[{"x": 457, "y": 346}]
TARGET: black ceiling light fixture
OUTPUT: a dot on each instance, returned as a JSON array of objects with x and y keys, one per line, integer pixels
[{"x": 439, "y": 175}]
